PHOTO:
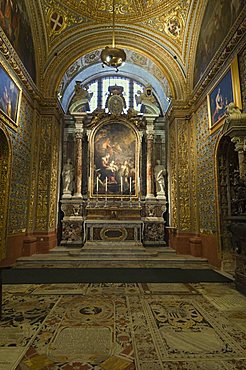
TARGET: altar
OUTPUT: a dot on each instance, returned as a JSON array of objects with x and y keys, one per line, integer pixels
[{"x": 113, "y": 178}]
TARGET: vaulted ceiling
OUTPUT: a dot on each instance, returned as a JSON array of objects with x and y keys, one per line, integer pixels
[
  {"x": 160, "y": 37},
  {"x": 157, "y": 35}
]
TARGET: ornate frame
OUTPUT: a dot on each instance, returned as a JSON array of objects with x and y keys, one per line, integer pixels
[
  {"x": 227, "y": 87},
  {"x": 9, "y": 86},
  {"x": 117, "y": 123}
]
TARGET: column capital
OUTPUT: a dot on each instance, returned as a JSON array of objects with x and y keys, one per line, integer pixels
[{"x": 240, "y": 143}]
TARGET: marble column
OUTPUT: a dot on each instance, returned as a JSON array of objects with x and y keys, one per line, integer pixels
[
  {"x": 150, "y": 146},
  {"x": 78, "y": 156}
]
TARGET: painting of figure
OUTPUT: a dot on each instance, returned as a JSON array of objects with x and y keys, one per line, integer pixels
[
  {"x": 15, "y": 23},
  {"x": 9, "y": 95},
  {"x": 220, "y": 97},
  {"x": 114, "y": 160},
  {"x": 218, "y": 18}
]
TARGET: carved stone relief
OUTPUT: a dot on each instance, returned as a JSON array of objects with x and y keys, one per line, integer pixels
[{"x": 5, "y": 157}]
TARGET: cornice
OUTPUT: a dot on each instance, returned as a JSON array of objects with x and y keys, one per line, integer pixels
[
  {"x": 13, "y": 60},
  {"x": 225, "y": 52}
]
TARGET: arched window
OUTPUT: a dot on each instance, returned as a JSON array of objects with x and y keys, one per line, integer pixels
[{"x": 99, "y": 88}]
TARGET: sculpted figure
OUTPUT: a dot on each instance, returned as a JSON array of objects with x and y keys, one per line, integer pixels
[
  {"x": 159, "y": 173},
  {"x": 67, "y": 176}
]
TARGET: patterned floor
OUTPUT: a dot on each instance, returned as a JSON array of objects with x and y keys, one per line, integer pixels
[{"x": 123, "y": 327}]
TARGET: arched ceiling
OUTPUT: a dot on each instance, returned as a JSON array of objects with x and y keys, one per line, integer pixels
[
  {"x": 153, "y": 33},
  {"x": 159, "y": 36}
]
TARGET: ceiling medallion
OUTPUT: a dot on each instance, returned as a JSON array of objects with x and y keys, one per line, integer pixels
[{"x": 112, "y": 56}]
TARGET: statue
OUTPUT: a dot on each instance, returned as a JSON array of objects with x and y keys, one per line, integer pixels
[
  {"x": 160, "y": 173},
  {"x": 147, "y": 100},
  {"x": 231, "y": 108},
  {"x": 81, "y": 98},
  {"x": 67, "y": 176}
]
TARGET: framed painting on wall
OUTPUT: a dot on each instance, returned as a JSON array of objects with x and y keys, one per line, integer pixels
[
  {"x": 225, "y": 91},
  {"x": 9, "y": 98}
]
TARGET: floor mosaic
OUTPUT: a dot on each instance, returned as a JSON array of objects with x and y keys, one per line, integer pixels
[{"x": 123, "y": 327}]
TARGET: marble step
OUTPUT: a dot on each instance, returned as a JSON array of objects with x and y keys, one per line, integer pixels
[{"x": 111, "y": 261}]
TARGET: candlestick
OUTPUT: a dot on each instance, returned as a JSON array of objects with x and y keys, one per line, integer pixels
[{"x": 97, "y": 183}]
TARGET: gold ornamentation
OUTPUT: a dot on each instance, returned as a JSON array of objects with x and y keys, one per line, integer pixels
[{"x": 5, "y": 155}]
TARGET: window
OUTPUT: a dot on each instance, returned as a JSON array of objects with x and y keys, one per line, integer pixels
[{"x": 99, "y": 88}]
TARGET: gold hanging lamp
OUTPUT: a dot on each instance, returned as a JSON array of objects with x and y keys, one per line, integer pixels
[{"x": 112, "y": 56}]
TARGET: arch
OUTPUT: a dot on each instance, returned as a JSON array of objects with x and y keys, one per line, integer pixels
[
  {"x": 5, "y": 165},
  {"x": 163, "y": 56},
  {"x": 226, "y": 166}
]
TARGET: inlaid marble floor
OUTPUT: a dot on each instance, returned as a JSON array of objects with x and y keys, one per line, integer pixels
[{"x": 123, "y": 327}]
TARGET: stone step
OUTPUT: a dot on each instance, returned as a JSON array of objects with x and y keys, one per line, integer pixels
[{"x": 85, "y": 260}]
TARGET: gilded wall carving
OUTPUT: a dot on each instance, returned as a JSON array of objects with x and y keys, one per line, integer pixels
[
  {"x": 206, "y": 183},
  {"x": 5, "y": 162},
  {"x": 34, "y": 171},
  {"x": 242, "y": 71},
  {"x": 45, "y": 156},
  {"x": 47, "y": 185},
  {"x": 173, "y": 176},
  {"x": 193, "y": 178},
  {"x": 183, "y": 174},
  {"x": 54, "y": 176},
  {"x": 21, "y": 167}
]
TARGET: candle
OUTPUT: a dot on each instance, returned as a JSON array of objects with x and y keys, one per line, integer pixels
[
  {"x": 121, "y": 184},
  {"x": 106, "y": 184},
  {"x": 130, "y": 185},
  {"x": 97, "y": 183},
  {"x": 139, "y": 186}
]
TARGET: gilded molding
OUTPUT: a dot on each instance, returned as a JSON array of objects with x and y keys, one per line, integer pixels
[
  {"x": 5, "y": 175},
  {"x": 9, "y": 54}
]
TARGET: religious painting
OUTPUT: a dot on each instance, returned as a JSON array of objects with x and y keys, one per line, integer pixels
[
  {"x": 218, "y": 19},
  {"x": 15, "y": 23},
  {"x": 226, "y": 91},
  {"x": 9, "y": 98},
  {"x": 115, "y": 148}
]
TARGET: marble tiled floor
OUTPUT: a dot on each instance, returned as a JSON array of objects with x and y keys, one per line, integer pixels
[{"x": 123, "y": 327}]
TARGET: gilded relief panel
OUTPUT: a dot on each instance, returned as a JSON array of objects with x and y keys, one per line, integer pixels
[
  {"x": 5, "y": 161},
  {"x": 54, "y": 178},
  {"x": 21, "y": 167},
  {"x": 34, "y": 172},
  {"x": 183, "y": 174},
  {"x": 206, "y": 182},
  {"x": 193, "y": 178},
  {"x": 45, "y": 156},
  {"x": 173, "y": 175},
  {"x": 242, "y": 71}
]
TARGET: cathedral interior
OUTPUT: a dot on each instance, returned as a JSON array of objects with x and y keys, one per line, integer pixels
[{"x": 123, "y": 144}]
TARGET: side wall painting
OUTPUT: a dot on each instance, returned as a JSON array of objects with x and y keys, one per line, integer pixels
[
  {"x": 9, "y": 98},
  {"x": 218, "y": 18},
  {"x": 15, "y": 24}
]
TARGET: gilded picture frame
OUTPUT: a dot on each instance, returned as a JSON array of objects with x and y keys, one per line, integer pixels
[
  {"x": 225, "y": 91},
  {"x": 114, "y": 160},
  {"x": 10, "y": 97}
]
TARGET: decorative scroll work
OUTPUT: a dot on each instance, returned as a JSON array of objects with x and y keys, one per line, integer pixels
[
  {"x": 205, "y": 171},
  {"x": 173, "y": 176},
  {"x": 183, "y": 175},
  {"x": 5, "y": 154}
]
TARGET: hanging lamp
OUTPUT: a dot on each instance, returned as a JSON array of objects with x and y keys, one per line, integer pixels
[{"x": 112, "y": 56}]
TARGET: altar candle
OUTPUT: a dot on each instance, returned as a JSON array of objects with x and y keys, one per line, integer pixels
[
  {"x": 106, "y": 188},
  {"x": 139, "y": 184},
  {"x": 130, "y": 185},
  {"x": 97, "y": 183},
  {"x": 121, "y": 184}
]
